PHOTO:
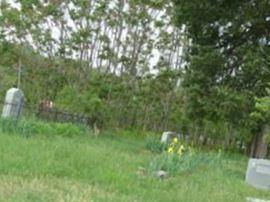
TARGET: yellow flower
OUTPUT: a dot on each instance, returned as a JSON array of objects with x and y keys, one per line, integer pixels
[
  {"x": 182, "y": 147},
  {"x": 175, "y": 140},
  {"x": 181, "y": 150},
  {"x": 170, "y": 150}
]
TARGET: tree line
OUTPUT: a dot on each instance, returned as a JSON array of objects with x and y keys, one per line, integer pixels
[{"x": 100, "y": 58}]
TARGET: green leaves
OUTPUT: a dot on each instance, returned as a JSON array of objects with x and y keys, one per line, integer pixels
[
  {"x": 227, "y": 66},
  {"x": 261, "y": 112}
]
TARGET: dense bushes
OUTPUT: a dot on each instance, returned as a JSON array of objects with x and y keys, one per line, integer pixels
[{"x": 147, "y": 103}]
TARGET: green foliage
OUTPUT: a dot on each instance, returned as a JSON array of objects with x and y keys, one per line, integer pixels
[
  {"x": 86, "y": 102},
  {"x": 107, "y": 76},
  {"x": 102, "y": 73},
  {"x": 99, "y": 169},
  {"x": 261, "y": 116},
  {"x": 147, "y": 104},
  {"x": 176, "y": 159},
  {"x": 227, "y": 66},
  {"x": 32, "y": 127},
  {"x": 262, "y": 110},
  {"x": 7, "y": 125},
  {"x": 153, "y": 144},
  {"x": 175, "y": 164}
]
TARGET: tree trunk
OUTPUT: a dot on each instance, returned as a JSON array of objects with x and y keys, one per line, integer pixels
[{"x": 259, "y": 146}]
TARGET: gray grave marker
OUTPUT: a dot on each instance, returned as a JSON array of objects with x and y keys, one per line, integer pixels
[
  {"x": 13, "y": 103},
  {"x": 168, "y": 136},
  {"x": 258, "y": 173}
]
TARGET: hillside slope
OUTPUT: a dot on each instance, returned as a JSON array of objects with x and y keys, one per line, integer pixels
[{"x": 84, "y": 168}]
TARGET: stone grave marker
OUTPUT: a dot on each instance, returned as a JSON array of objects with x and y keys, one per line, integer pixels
[
  {"x": 258, "y": 173},
  {"x": 168, "y": 136},
  {"x": 13, "y": 103},
  {"x": 249, "y": 199}
]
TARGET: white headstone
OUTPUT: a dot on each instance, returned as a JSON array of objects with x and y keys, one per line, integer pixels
[
  {"x": 13, "y": 103},
  {"x": 161, "y": 174},
  {"x": 168, "y": 136},
  {"x": 249, "y": 199},
  {"x": 165, "y": 136},
  {"x": 258, "y": 173}
]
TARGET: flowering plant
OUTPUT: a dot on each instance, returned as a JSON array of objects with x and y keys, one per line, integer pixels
[
  {"x": 176, "y": 147},
  {"x": 179, "y": 157}
]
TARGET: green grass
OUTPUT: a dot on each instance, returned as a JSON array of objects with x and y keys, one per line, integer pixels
[
  {"x": 85, "y": 168},
  {"x": 31, "y": 126}
]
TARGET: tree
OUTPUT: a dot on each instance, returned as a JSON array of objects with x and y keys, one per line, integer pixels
[
  {"x": 228, "y": 62},
  {"x": 96, "y": 57}
]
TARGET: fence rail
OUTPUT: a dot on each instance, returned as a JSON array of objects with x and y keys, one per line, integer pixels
[
  {"x": 52, "y": 114},
  {"x": 63, "y": 116}
]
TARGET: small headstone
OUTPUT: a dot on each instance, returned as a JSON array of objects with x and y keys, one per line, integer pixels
[
  {"x": 258, "y": 173},
  {"x": 161, "y": 174},
  {"x": 256, "y": 200},
  {"x": 168, "y": 136},
  {"x": 13, "y": 103}
]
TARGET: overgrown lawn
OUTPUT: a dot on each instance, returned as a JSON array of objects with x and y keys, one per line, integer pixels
[{"x": 85, "y": 168}]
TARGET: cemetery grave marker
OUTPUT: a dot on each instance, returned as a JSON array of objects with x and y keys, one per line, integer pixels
[
  {"x": 258, "y": 173},
  {"x": 13, "y": 103}
]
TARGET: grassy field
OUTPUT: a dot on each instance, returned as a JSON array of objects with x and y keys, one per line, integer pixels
[{"x": 84, "y": 168}]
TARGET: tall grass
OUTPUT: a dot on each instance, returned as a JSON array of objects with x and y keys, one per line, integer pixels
[
  {"x": 187, "y": 163},
  {"x": 153, "y": 144},
  {"x": 28, "y": 127},
  {"x": 106, "y": 169}
]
